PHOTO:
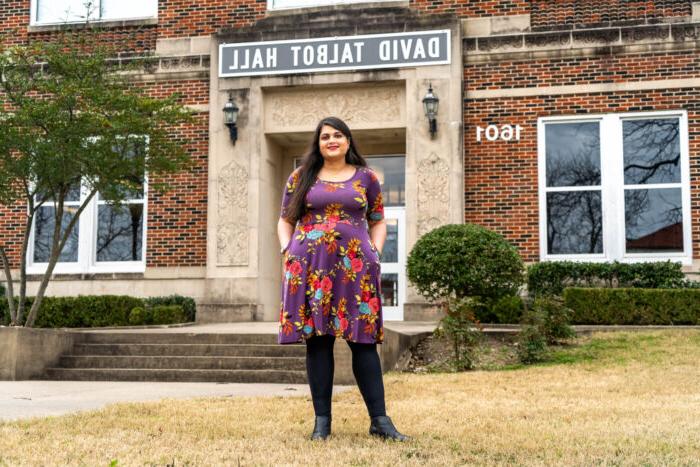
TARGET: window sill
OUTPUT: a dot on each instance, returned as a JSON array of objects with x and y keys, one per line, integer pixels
[
  {"x": 101, "y": 24},
  {"x": 88, "y": 276}
]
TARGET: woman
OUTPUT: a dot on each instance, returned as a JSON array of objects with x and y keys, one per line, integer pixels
[{"x": 332, "y": 230}]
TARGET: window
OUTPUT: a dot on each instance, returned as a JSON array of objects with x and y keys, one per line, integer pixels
[
  {"x": 106, "y": 238},
  {"x": 615, "y": 187},
  {"x": 282, "y": 4},
  {"x": 76, "y": 11}
]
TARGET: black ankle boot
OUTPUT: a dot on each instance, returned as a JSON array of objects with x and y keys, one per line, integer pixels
[
  {"x": 322, "y": 427},
  {"x": 381, "y": 426}
]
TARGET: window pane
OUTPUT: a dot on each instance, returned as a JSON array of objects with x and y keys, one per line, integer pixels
[
  {"x": 119, "y": 232},
  {"x": 574, "y": 222},
  {"x": 391, "y": 172},
  {"x": 651, "y": 151},
  {"x": 572, "y": 154},
  {"x": 390, "y": 252},
  {"x": 654, "y": 220},
  {"x": 135, "y": 181},
  {"x": 112, "y": 9},
  {"x": 43, "y": 235},
  {"x": 390, "y": 290},
  {"x": 72, "y": 195},
  {"x": 61, "y": 11}
]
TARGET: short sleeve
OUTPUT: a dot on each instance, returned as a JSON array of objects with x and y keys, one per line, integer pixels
[
  {"x": 375, "y": 203},
  {"x": 289, "y": 189}
]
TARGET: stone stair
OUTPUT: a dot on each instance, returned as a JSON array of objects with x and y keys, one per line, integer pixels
[{"x": 180, "y": 357}]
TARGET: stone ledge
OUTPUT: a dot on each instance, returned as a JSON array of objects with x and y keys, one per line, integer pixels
[
  {"x": 599, "y": 41},
  {"x": 94, "y": 24},
  {"x": 478, "y": 27}
]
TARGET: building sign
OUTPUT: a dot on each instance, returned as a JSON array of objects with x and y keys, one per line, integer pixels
[{"x": 335, "y": 53}]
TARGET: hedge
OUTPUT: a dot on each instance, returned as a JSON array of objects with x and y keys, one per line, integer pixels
[
  {"x": 551, "y": 277},
  {"x": 106, "y": 310},
  {"x": 633, "y": 305}
]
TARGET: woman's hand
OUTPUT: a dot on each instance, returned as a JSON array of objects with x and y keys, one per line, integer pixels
[{"x": 377, "y": 236}]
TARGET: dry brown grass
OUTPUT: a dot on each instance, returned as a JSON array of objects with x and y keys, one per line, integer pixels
[{"x": 629, "y": 399}]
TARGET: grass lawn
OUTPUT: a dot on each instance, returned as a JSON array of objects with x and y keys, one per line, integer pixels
[{"x": 612, "y": 399}]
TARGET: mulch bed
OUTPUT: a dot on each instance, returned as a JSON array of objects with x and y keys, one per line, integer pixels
[{"x": 435, "y": 352}]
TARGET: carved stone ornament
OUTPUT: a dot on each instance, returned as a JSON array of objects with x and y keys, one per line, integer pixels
[
  {"x": 433, "y": 193},
  {"x": 232, "y": 214},
  {"x": 357, "y": 107}
]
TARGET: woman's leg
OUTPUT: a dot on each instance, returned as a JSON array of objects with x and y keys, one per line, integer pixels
[
  {"x": 319, "y": 369},
  {"x": 368, "y": 373}
]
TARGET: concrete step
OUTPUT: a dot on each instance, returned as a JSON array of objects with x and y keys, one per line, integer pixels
[
  {"x": 173, "y": 375},
  {"x": 172, "y": 338},
  {"x": 183, "y": 362},
  {"x": 218, "y": 350}
]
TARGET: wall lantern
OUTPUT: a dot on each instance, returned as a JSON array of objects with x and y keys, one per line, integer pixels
[
  {"x": 230, "y": 117},
  {"x": 430, "y": 105}
]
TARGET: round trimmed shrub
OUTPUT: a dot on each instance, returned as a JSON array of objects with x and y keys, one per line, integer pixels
[
  {"x": 137, "y": 316},
  {"x": 464, "y": 260}
]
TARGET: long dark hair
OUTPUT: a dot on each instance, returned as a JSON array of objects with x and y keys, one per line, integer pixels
[{"x": 313, "y": 161}]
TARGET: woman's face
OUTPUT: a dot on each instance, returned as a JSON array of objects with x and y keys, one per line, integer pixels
[{"x": 332, "y": 143}]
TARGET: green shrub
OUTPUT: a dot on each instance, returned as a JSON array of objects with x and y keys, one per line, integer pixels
[
  {"x": 464, "y": 260},
  {"x": 508, "y": 310},
  {"x": 464, "y": 330},
  {"x": 137, "y": 316},
  {"x": 167, "y": 314},
  {"x": 532, "y": 344},
  {"x": 551, "y": 277},
  {"x": 186, "y": 303},
  {"x": 633, "y": 306},
  {"x": 554, "y": 319},
  {"x": 101, "y": 311}
]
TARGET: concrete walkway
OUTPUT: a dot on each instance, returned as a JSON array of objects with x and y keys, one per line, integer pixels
[{"x": 28, "y": 399}]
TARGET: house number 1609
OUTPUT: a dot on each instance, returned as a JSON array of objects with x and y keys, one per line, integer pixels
[{"x": 493, "y": 132}]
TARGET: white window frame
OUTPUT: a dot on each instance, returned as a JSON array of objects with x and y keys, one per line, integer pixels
[
  {"x": 34, "y": 11},
  {"x": 314, "y": 3},
  {"x": 612, "y": 186},
  {"x": 87, "y": 240}
]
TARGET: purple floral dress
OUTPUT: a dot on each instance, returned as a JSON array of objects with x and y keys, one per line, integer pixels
[{"x": 331, "y": 282}]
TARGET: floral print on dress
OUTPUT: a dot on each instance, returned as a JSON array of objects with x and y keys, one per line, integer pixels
[{"x": 331, "y": 275}]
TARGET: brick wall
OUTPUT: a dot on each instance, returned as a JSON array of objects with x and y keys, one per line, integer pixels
[
  {"x": 473, "y": 9},
  {"x": 14, "y": 22},
  {"x": 177, "y": 219},
  {"x": 567, "y": 14},
  {"x": 583, "y": 70},
  {"x": 501, "y": 177},
  {"x": 176, "y": 18},
  {"x": 184, "y": 18}
]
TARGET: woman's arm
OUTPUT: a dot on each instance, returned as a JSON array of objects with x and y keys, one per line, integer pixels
[
  {"x": 377, "y": 234},
  {"x": 284, "y": 232}
]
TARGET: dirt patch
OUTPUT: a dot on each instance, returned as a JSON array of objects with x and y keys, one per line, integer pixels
[{"x": 435, "y": 353}]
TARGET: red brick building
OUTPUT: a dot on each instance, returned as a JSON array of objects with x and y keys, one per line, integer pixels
[{"x": 571, "y": 127}]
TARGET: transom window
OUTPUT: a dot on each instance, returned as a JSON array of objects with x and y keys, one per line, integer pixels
[
  {"x": 76, "y": 11},
  {"x": 615, "y": 187},
  {"x": 106, "y": 238}
]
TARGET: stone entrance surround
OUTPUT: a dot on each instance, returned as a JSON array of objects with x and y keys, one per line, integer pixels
[{"x": 278, "y": 115}]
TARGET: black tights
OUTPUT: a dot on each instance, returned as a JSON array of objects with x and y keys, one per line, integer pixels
[{"x": 365, "y": 366}]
